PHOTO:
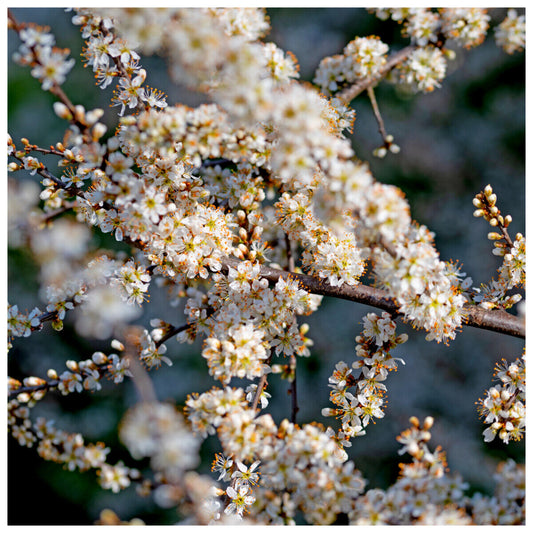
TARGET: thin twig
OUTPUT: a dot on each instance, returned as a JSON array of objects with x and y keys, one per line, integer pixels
[{"x": 377, "y": 114}]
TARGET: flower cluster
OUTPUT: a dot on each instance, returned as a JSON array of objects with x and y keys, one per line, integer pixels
[
  {"x": 466, "y": 26},
  {"x": 49, "y": 64},
  {"x": 158, "y": 431},
  {"x": 307, "y": 463},
  {"x": 111, "y": 58},
  {"x": 242, "y": 478},
  {"x": 511, "y": 33},
  {"x": 356, "y": 409},
  {"x": 80, "y": 376},
  {"x": 362, "y": 57},
  {"x": 507, "y": 506},
  {"x": 22, "y": 324},
  {"x": 68, "y": 449},
  {"x": 504, "y": 405},
  {"x": 423, "y": 493},
  {"x": 428, "y": 291},
  {"x": 335, "y": 258},
  {"x": 423, "y": 70}
]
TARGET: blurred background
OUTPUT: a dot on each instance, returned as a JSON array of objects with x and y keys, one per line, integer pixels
[{"x": 454, "y": 141}]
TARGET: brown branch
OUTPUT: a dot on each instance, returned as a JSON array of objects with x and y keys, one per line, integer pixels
[
  {"x": 351, "y": 92},
  {"x": 492, "y": 320}
]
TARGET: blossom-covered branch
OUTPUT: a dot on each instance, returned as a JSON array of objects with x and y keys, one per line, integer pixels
[{"x": 493, "y": 320}]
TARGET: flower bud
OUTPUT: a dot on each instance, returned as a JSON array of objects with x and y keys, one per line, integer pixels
[
  {"x": 494, "y": 236},
  {"x": 479, "y": 213},
  {"x": 380, "y": 152},
  {"x": 477, "y": 202},
  {"x": 23, "y": 397},
  {"x": 492, "y": 199},
  {"x": 33, "y": 381},
  {"x": 99, "y": 130},
  {"x": 94, "y": 115},
  {"x": 99, "y": 358},
  {"x": 117, "y": 345},
  {"x": 72, "y": 365},
  {"x": 394, "y": 149},
  {"x": 515, "y": 298},
  {"x": 450, "y": 54},
  {"x": 79, "y": 113},
  {"x": 428, "y": 422},
  {"x": 62, "y": 111},
  {"x": 488, "y": 190}
]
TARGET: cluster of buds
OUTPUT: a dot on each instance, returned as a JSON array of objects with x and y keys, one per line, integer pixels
[
  {"x": 485, "y": 204},
  {"x": 388, "y": 146}
]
